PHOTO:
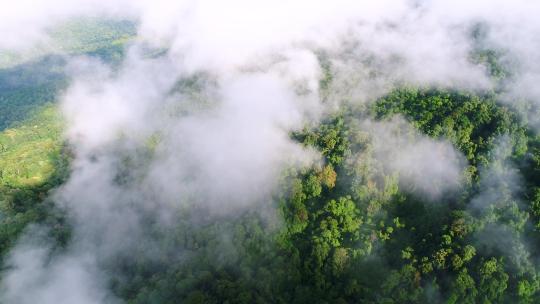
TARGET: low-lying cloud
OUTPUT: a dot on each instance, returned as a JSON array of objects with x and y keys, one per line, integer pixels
[{"x": 209, "y": 121}]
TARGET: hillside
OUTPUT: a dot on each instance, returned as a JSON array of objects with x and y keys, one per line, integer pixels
[{"x": 181, "y": 158}]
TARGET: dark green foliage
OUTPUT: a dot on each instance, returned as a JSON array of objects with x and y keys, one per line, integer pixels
[
  {"x": 471, "y": 122},
  {"x": 348, "y": 233},
  {"x": 88, "y": 35},
  {"x": 344, "y": 231},
  {"x": 27, "y": 86},
  {"x": 351, "y": 235}
]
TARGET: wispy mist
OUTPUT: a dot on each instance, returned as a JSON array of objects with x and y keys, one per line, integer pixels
[{"x": 145, "y": 143}]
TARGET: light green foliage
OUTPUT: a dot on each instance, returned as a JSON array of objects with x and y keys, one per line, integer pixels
[
  {"x": 493, "y": 281},
  {"x": 463, "y": 289},
  {"x": 33, "y": 157},
  {"x": 346, "y": 232},
  {"x": 29, "y": 151},
  {"x": 469, "y": 121},
  {"x": 32, "y": 161}
]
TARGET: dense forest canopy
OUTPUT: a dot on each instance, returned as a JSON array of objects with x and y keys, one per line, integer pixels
[{"x": 353, "y": 158}]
